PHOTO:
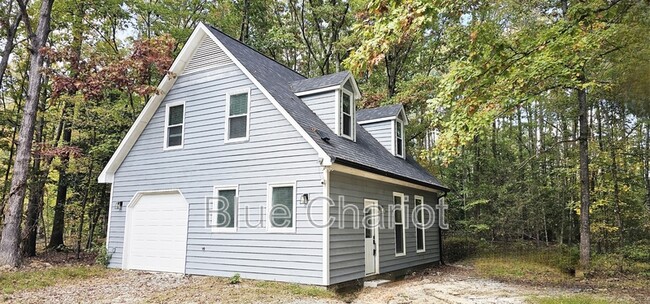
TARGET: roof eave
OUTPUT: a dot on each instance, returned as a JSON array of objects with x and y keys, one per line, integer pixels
[{"x": 389, "y": 174}]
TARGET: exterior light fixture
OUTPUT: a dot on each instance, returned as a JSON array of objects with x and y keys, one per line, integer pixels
[
  {"x": 118, "y": 206},
  {"x": 305, "y": 199}
]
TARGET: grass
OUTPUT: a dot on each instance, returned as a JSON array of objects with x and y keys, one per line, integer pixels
[
  {"x": 220, "y": 290},
  {"x": 296, "y": 289},
  {"x": 538, "y": 266},
  {"x": 11, "y": 282},
  {"x": 573, "y": 299}
]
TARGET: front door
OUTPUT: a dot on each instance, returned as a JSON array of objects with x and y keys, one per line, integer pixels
[{"x": 371, "y": 223}]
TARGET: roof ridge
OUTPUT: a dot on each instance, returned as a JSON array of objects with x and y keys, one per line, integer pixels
[{"x": 251, "y": 48}]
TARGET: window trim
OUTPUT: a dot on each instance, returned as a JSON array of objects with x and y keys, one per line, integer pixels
[
  {"x": 166, "y": 146},
  {"x": 339, "y": 114},
  {"x": 269, "y": 205},
  {"x": 400, "y": 195},
  {"x": 226, "y": 133},
  {"x": 424, "y": 237},
  {"x": 215, "y": 193},
  {"x": 394, "y": 129}
]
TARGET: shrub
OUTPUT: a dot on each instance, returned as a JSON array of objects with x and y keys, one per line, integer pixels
[
  {"x": 639, "y": 252},
  {"x": 103, "y": 257},
  {"x": 456, "y": 248},
  {"x": 235, "y": 279}
]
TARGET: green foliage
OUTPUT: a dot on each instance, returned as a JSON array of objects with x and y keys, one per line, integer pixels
[
  {"x": 458, "y": 248},
  {"x": 235, "y": 279},
  {"x": 103, "y": 257},
  {"x": 574, "y": 299}
]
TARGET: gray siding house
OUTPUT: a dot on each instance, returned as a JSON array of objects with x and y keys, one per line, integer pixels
[{"x": 241, "y": 165}]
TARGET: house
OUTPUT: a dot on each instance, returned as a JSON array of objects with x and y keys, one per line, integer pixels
[{"x": 228, "y": 170}]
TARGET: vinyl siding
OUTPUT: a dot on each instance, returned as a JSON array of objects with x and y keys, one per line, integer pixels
[
  {"x": 323, "y": 105},
  {"x": 276, "y": 152},
  {"x": 347, "y": 260},
  {"x": 383, "y": 132}
]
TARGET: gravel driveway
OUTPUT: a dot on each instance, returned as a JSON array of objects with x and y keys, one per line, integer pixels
[{"x": 438, "y": 285}]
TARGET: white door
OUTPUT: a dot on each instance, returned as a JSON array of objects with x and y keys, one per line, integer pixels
[
  {"x": 371, "y": 222},
  {"x": 156, "y": 232}
]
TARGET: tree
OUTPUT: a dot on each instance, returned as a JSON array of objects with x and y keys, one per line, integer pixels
[{"x": 9, "y": 244}]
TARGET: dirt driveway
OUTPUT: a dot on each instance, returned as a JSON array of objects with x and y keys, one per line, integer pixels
[{"x": 437, "y": 285}]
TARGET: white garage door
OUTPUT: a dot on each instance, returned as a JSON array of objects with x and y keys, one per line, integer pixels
[{"x": 156, "y": 232}]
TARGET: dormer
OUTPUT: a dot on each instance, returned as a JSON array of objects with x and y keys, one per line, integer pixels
[
  {"x": 386, "y": 124},
  {"x": 333, "y": 98}
]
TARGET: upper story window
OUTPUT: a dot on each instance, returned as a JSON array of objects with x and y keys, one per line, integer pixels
[
  {"x": 399, "y": 138},
  {"x": 174, "y": 125},
  {"x": 347, "y": 115},
  {"x": 237, "y": 116}
]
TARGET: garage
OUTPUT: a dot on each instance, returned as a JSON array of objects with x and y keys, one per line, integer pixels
[{"x": 156, "y": 232}]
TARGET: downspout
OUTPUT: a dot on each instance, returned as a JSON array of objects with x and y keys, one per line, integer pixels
[{"x": 440, "y": 233}]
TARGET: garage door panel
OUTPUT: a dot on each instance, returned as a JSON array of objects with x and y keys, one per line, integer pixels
[{"x": 157, "y": 233}]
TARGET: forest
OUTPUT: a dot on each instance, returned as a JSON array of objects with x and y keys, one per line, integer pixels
[{"x": 535, "y": 113}]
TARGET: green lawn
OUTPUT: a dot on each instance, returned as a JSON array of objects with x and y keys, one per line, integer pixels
[
  {"x": 573, "y": 299},
  {"x": 11, "y": 282}
]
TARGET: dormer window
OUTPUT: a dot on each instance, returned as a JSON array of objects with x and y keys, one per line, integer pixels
[
  {"x": 399, "y": 139},
  {"x": 347, "y": 115}
]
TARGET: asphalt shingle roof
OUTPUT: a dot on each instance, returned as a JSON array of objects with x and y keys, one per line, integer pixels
[
  {"x": 378, "y": 113},
  {"x": 325, "y": 81},
  {"x": 366, "y": 153}
]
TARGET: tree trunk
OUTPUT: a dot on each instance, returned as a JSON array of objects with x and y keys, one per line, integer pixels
[
  {"x": 35, "y": 202},
  {"x": 9, "y": 244},
  {"x": 58, "y": 222},
  {"x": 585, "y": 200}
]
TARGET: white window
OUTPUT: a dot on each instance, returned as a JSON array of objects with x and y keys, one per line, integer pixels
[
  {"x": 237, "y": 116},
  {"x": 346, "y": 115},
  {"x": 400, "y": 232},
  {"x": 399, "y": 138},
  {"x": 174, "y": 125},
  {"x": 224, "y": 209},
  {"x": 419, "y": 229},
  {"x": 281, "y": 207}
]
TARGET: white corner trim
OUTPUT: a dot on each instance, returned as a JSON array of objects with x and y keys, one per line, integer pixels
[
  {"x": 361, "y": 173},
  {"x": 107, "y": 174},
  {"x": 326, "y": 228},
  {"x": 283, "y": 111},
  {"x": 226, "y": 133},
  {"x": 108, "y": 225}
]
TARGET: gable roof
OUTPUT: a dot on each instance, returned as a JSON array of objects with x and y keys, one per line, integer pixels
[
  {"x": 366, "y": 153},
  {"x": 380, "y": 113},
  {"x": 320, "y": 82},
  {"x": 273, "y": 79}
]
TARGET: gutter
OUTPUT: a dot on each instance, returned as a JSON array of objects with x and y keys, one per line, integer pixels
[{"x": 388, "y": 174}]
